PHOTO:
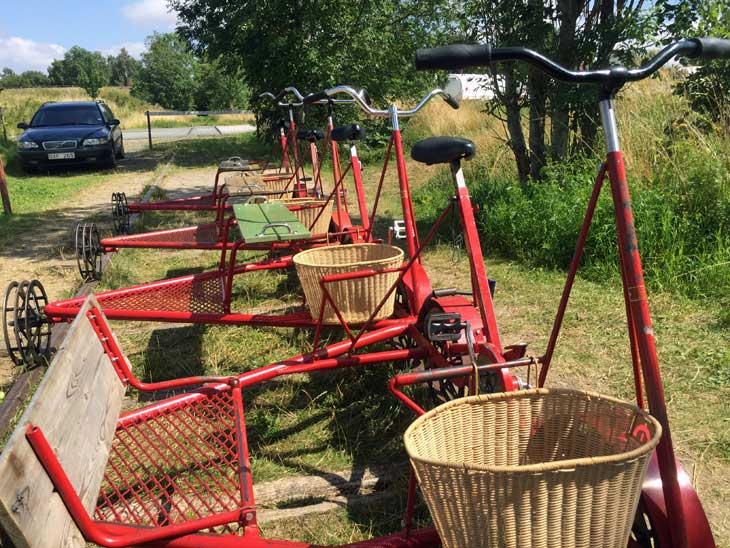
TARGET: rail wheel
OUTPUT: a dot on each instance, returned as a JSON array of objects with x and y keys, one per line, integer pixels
[
  {"x": 15, "y": 352},
  {"x": 120, "y": 213},
  {"x": 643, "y": 532},
  {"x": 88, "y": 251},
  {"x": 405, "y": 341},
  {"x": 27, "y": 333}
]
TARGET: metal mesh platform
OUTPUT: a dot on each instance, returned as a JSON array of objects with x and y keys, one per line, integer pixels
[
  {"x": 202, "y": 294},
  {"x": 206, "y": 234},
  {"x": 175, "y": 461}
]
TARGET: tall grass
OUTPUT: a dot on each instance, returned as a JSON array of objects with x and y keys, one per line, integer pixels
[
  {"x": 21, "y": 104},
  {"x": 680, "y": 184}
]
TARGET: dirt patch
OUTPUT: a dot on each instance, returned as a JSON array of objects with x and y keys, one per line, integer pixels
[
  {"x": 188, "y": 182},
  {"x": 46, "y": 250}
]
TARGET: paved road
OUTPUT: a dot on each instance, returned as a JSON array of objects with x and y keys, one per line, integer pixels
[{"x": 183, "y": 132}]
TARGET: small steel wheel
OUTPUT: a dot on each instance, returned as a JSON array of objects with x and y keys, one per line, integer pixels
[
  {"x": 88, "y": 251},
  {"x": 9, "y": 320},
  {"x": 120, "y": 213},
  {"x": 643, "y": 531},
  {"x": 29, "y": 343}
]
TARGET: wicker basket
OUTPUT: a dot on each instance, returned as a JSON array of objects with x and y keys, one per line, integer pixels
[
  {"x": 309, "y": 213},
  {"x": 356, "y": 299},
  {"x": 549, "y": 468},
  {"x": 240, "y": 180}
]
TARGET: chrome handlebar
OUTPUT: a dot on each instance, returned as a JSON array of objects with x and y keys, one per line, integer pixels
[
  {"x": 291, "y": 90},
  {"x": 358, "y": 99}
]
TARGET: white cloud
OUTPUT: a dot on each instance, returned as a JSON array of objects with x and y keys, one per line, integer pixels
[
  {"x": 134, "y": 49},
  {"x": 21, "y": 54},
  {"x": 150, "y": 14}
]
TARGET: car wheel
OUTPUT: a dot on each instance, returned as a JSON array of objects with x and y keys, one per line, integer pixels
[
  {"x": 120, "y": 150},
  {"x": 111, "y": 160}
]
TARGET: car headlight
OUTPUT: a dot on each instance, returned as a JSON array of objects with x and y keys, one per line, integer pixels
[
  {"x": 96, "y": 141},
  {"x": 27, "y": 145}
]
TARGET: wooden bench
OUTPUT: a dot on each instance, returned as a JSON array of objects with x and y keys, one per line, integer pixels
[{"x": 174, "y": 467}]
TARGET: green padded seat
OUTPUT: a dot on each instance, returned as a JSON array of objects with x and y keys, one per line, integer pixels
[{"x": 268, "y": 222}]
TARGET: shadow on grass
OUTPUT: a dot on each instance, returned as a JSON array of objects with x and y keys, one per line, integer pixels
[
  {"x": 359, "y": 419},
  {"x": 133, "y": 163},
  {"x": 37, "y": 235},
  {"x": 206, "y": 152},
  {"x": 171, "y": 353}
]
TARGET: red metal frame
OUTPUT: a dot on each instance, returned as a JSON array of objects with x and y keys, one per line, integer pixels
[
  {"x": 210, "y": 202},
  {"x": 214, "y": 236},
  {"x": 122, "y": 517},
  {"x": 668, "y": 497}
]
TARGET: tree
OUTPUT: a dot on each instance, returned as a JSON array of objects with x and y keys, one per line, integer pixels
[
  {"x": 167, "y": 73},
  {"x": 124, "y": 68},
  {"x": 27, "y": 79},
  {"x": 708, "y": 87},
  {"x": 219, "y": 89},
  {"x": 80, "y": 67},
  {"x": 576, "y": 33},
  {"x": 314, "y": 45},
  {"x": 93, "y": 74}
]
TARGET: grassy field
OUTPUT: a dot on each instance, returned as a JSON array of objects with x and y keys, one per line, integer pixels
[
  {"x": 323, "y": 423},
  {"x": 334, "y": 420},
  {"x": 32, "y": 197}
]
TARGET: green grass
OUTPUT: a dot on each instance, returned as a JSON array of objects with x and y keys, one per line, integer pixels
[
  {"x": 39, "y": 199},
  {"x": 327, "y": 422}
]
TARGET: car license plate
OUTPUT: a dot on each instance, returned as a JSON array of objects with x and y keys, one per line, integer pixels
[{"x": 61, "y": 155}]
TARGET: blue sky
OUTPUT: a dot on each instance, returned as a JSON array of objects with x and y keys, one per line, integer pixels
[{"x": 33, "y": 33}]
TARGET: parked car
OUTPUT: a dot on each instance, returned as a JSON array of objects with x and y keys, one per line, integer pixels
[{"x": 66, "y": 133}]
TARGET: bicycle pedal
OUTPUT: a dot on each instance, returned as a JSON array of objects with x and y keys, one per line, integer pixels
[{"x": 444, "y": 327}]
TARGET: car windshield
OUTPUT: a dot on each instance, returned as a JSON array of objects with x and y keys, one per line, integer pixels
[{"x": 67, "y": 116}]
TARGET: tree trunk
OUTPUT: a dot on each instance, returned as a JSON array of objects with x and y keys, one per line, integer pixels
[
  {"x": 537, "y": 90},
  {"x": 588, "y": 126},
  {"x": 567, "y": 11},
  {"x": 514, "y": 126}
]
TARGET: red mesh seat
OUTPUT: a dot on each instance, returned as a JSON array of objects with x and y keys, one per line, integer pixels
[
  {"x": 176, "y": 461},
  {"x": 206, "y": 234},
  {"x": 196, "y": 294}
]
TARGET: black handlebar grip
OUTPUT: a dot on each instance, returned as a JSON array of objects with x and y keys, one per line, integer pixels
[
  {"x": 456, "y": 56},
  {"x": 315, "y": 97},
  {"x": 453, "y": 102},
  {"x": 711, "y": 48}
]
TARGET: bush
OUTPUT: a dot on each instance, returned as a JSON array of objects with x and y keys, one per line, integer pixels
[{"x": 682, "y": 219}]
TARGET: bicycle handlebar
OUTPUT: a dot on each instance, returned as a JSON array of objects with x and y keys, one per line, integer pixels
[
  {"x": 300, "y": 98},
  {"x": 460, "y": 56},
  {"x": 360, "y": 98}
]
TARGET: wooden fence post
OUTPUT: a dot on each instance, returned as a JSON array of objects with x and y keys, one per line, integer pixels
[
  {"x": 2, "y": 123},
  {"x": 149, "y": 129},
  {"x": 4, "y": 189}
]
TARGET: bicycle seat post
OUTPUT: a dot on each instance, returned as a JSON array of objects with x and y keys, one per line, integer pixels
[{"x": 480, "y": 281}]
